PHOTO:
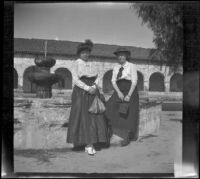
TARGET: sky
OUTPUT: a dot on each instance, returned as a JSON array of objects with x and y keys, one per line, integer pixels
[{"x": 106, "y": 23}]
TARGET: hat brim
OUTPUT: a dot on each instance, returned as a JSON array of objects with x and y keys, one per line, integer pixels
[{"x": 123, "y": 51}]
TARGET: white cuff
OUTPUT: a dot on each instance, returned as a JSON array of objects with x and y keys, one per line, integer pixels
[
  {"x": 86, "y": 88},
  {"x": 113, "y": 81},
  {"x": 93, "y": 86}
]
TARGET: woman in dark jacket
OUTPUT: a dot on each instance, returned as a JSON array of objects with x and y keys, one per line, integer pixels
[
  {"x": 85, "y": 128},
  {"x": 122, "y": 109}
]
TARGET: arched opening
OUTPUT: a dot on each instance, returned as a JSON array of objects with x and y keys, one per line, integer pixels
[
  {"x": 156, "y": 82},
  {"x": 107, "y": 85},
  {"x": 15, "y": 79},
  {"x": 140, "y": 83},
  {"x": 28, "y": 86},
  {"x": 66, "y": 81},
  {"x": 176, "y": 83}
]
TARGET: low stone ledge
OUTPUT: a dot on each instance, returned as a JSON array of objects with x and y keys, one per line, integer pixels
[
  {"x": 41, "y": 127},
  {"x": 172, "y": 106}
]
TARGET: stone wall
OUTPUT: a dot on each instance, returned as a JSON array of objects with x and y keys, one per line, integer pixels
[{"x": 41, "y": 123}]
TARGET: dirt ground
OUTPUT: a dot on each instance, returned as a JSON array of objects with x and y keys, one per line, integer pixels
[{"x": 150, "y": 154}]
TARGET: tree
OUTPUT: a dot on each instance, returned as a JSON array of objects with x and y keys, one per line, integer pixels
[{"x": 165, "y": 20}]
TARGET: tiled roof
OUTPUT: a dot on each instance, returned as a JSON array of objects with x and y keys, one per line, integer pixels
[{"x": 56, "y": 47}]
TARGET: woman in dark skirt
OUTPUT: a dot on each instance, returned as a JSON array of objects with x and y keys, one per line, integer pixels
[
  {"x": 86, "y": 129},
  {"x": 125, "y": 97}
]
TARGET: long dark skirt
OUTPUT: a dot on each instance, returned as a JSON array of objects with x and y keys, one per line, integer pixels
[
  {"x": 122, "y": 125},
  {"x": 84, "y": 127}
]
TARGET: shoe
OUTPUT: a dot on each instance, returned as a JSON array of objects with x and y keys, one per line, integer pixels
[
  {"x": 125, "y": 142},
  {"x": 90, "y": 150},
  {"x": 133, "y": 136},
  {"x": 94, "y": 151}
]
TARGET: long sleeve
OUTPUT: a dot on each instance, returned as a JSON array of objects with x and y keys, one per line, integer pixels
[
  {"x": 98, "y": 78},
  {"x": 78, "y": 82},
  {"x": 114, "y": 75},
  {"x": 134, "y": 76},
  {"x": 114, "y": 79}
]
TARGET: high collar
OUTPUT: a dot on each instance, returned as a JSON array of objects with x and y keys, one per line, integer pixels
[
  {"x": 83, "y": 60},
  {"x": 125, "y": 64}
]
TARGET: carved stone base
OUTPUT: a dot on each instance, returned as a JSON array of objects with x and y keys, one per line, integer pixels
[{"x": 43, "y": 92}]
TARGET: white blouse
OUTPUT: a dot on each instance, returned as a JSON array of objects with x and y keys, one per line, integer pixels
[
  {"x": 129, "y": 72},
  {"x": 83, "y": 68}
]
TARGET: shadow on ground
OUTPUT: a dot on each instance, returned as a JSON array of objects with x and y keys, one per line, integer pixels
[
  {"x": 141, "y": 139},
  {"x": 42, "y": 155}
]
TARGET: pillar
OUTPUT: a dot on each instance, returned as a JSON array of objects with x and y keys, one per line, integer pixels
[
  {"x": 20, "y": 81},
  {"x": 146, "y": 85},
  {"x": 167, "y": 86}
]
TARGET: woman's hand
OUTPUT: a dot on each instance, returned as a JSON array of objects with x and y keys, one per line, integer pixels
[
  {"x": 120, "y": 95},
  {"x": 92, "y": 90},
  {"x": 127, "y": 98}
]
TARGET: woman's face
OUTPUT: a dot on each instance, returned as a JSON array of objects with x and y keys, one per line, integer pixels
[
  {"x": 84, "y": 55},
  {"x": 121, "y": 58}
]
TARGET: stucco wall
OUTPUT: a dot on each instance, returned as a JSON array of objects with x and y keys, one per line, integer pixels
[{"x": 104, "y": 65}]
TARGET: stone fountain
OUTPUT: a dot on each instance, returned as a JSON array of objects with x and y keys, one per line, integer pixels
[
  {"x": 38, "y": 119},
  {"x": 43, "y": 78}
]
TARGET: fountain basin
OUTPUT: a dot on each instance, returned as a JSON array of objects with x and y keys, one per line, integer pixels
[
  {"x": 39, "y": 125},
  {"x": 45, "y": 62},
  {"x": 41, "y": 78}
]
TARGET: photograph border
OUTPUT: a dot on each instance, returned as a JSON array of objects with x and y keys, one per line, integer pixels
[{"x": 190, "y": 113}]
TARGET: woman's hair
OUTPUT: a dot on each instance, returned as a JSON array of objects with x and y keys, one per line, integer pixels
[{"x": 87, "y": 45}]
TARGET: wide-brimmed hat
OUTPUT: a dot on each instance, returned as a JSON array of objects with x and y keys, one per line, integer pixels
[
  {"x": 122, "y": 49},
  {"x": 87, "y": 45}
]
